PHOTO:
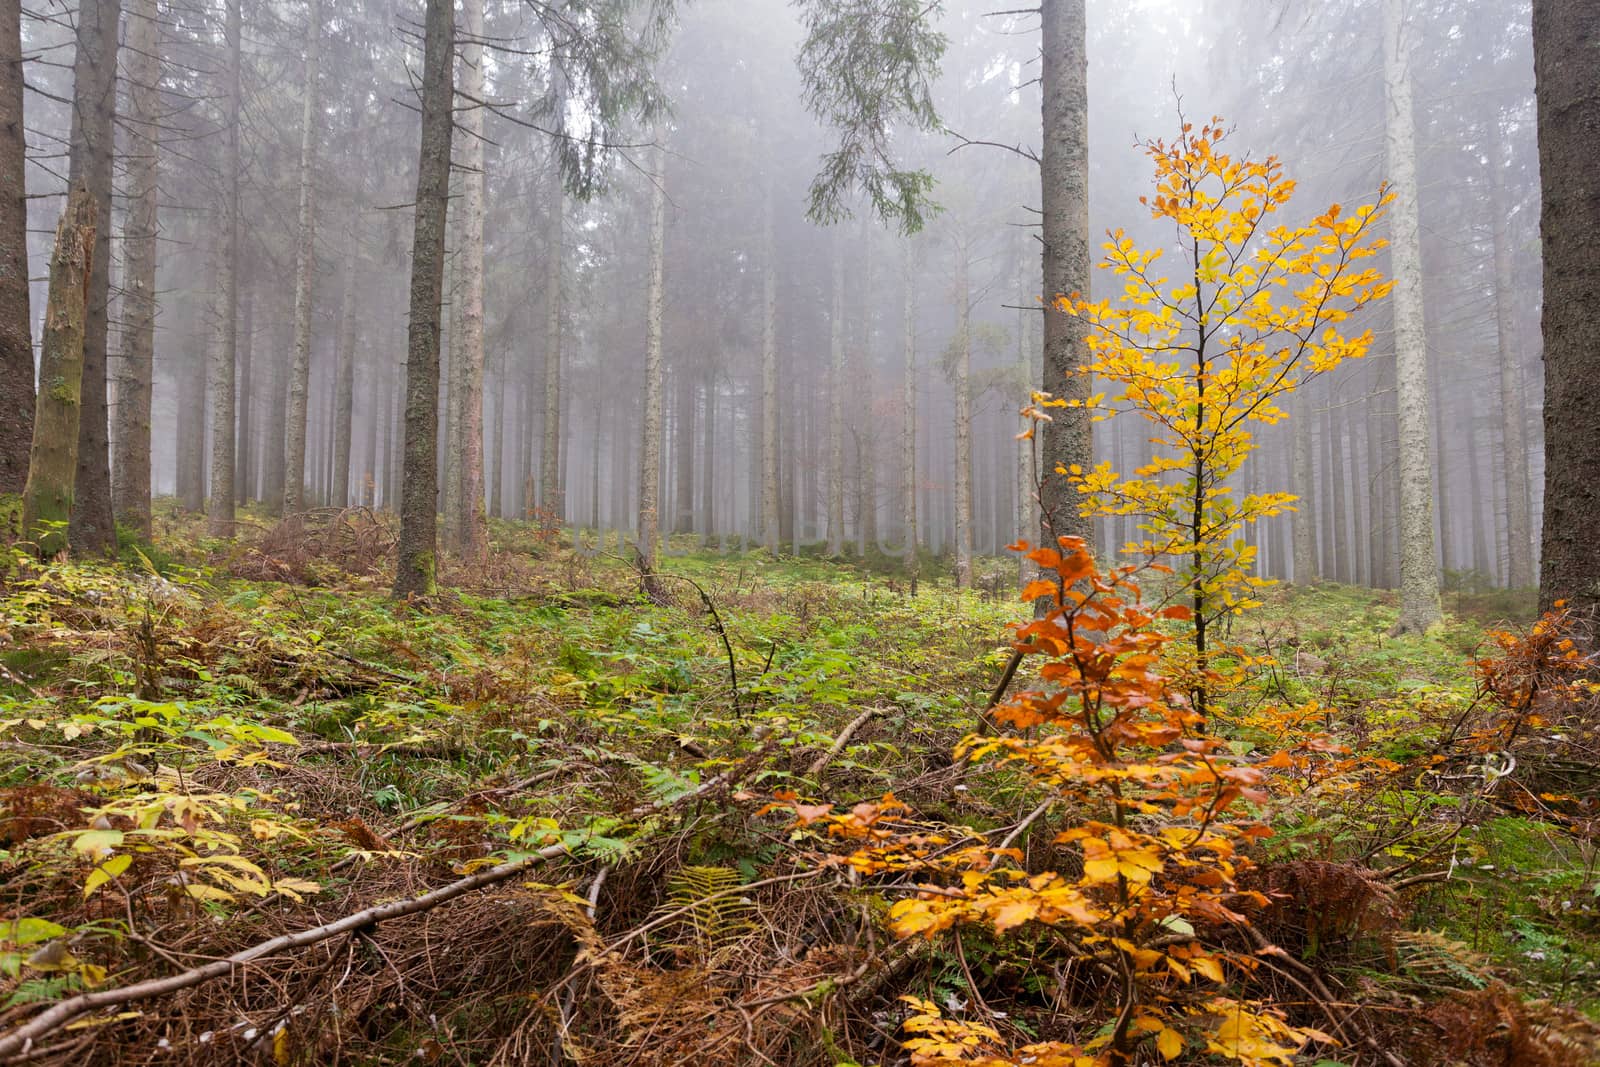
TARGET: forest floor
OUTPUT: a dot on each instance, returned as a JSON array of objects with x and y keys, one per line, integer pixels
[{"x": 209, "y": 746}]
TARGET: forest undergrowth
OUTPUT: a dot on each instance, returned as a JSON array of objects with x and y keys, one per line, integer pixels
[{"x": 255, "y": 811}]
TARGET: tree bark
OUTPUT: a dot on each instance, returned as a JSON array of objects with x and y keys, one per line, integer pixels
[
  {"x": 1064, "y": 175},
  {"x": 305, "y": 268},
  {"x": 550, "y": 502},
  {"x": 16, "y": 317},
  {"x": 415, "y": 572},
  {"x": 1566, "y": 51},
  {"x": 94, "y": 110},
  {"x": 47, "y": 496},
  {"x": 650, "y": 448},
  {"x": 130, "y": 487},
  {"x": 1419, "y": 574}
]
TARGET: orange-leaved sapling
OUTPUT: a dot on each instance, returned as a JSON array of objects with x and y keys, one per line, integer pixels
[{"x": 1253, "y": 309}]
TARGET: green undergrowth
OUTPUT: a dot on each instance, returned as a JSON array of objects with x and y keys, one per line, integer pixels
[{"x": 238, "y": 739}]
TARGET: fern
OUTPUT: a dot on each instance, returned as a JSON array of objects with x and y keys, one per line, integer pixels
[
  {"x": 709, "y": 912},
  {"x": 1436, "y": 960}
]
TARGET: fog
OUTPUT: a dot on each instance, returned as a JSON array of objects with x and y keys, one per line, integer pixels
[{"x": 855, "y": 314}]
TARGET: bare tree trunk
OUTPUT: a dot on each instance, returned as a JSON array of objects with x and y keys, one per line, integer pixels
[
  {"x": 415, "y": 572},
  {"x": 1064, "y": 177},
  {"x": 47, "y": 496},
  {"x": 16, "y": 336},
  {"x": 246, "y": 451},
  {"x": 963, "y": 389},
  {"x": 226, "y": 435},
  {"x": 369, "y": 453},
  {"x": 550, "y": 501},
  {"x": 908, "y": 411},
  {"x": 1305, "y": 541},
  {"x": 650, "y": 448},
  {"x": 1419, "y": 574},
  {"x": 1028, "y": 356},
  {"x": 866, "y": 438},
  {"x": 682, "y": 453},
  {"x": 497, "y": 439},
  {"x": 449, "y": 444},
  {"x": 130, "y": 488},
  {"x": 344, "y": 392},
  {"x": 708, "y": 463},
  {"x": 305, "y": 268},
  {"x": 836, "y": 388},
  {"x": 1340, "y": 549},
  {"x": 1513, "y": 405},
  {"x": 770, "y": 523},
  {"x": 94, "y": 109},
  {"x": 472, "y": 528}
]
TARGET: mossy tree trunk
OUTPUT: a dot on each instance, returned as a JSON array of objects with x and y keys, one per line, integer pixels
[
  {"x": 53, "y": 458},
  {"x": 415, "y": 571}
]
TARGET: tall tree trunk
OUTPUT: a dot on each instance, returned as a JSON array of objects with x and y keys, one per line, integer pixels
[
  {"x": 1445, "y": 517},
  {"x": 415, "y": 572},
  {"x": 94, "y": 110},
  {"x": 277, "y": 419},
  {"x": 682, "y": 453},
  {"x": 47, "y": 496},
  {"x": 866, "y": 440},
  {"x": 1305, "y": 539},
  {"x": 226, "y": 436},
  {"x": 1064, "y": 177},
  {"x": 449, "y": 445},
  {"x": 344, "y": 392},
  {"x": 908, "y": 411},
  {"x": 550, "y": 501},
  {"x": 191, "y": 425},
  {"x": 16, "y": 336},
  {"x": 1028, "y": 357},
  {"x": 130, "y": 489},
  {"x": 963, "y": 390},
  {"x": 246, "y": 453},
  {"x": 597, "y": 440},
  {"x": 770, "y": 524},
  {"x": 305, "y": 269},
  {"x": 497, "y": 439},
  {"x": 650, "y": 447},
  {"x": 708, "y": 463},
  {"x": 1419, "y": 574},
  {"x": 836, "y": 388},
  {"x": 369, "y": 453},
  {"x": 1513, "y": 405},
  {"x": 1341, "y": 513}
]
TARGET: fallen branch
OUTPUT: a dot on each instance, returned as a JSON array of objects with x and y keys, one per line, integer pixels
[
  {"x": 20, "y": 1041},
  {"x": 842, "y": 740}
]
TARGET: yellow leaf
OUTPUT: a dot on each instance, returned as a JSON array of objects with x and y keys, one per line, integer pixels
[
  {"x": 102, "y": 874},
  {"x": 1170, "y": 1044}
]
